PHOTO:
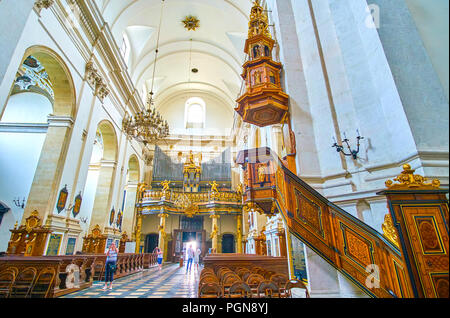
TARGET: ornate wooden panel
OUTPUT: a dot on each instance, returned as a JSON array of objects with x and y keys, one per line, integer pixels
[{"x": 424, "y": 230}]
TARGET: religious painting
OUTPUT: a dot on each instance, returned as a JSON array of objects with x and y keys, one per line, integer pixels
[
  {"x": 63, "y": 194},
  {"x": 70, "y": 249},
  {"x": 77, "y": 205},
  {"x": 111, "y": 216},
  {"x": 262, "y": 172},
  {"x": 53, "y": 244}
]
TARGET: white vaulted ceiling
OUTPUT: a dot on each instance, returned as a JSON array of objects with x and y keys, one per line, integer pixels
[{"x": 217, "y": 46}]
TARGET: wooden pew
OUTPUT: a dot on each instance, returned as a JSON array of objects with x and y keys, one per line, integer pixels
[
  {"x": 84, "y": 264},
  {"x": 21, "y": 263},
  {"x": 90, "y": 266},
  {"x": 249, "y": 261}
]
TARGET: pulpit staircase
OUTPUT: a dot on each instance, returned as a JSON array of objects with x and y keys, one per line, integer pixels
[{"x": 410, "y": 260}]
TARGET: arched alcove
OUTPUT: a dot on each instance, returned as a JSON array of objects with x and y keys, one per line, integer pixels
[
  {"x": 43, "y": 94},
  {"x": 104, "y": 171},
  {"x": 133, "y": 169},
  {"x": 130, "y": 191}
]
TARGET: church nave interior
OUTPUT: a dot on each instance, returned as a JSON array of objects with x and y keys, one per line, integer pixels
[{"x": 279, "y": 149}]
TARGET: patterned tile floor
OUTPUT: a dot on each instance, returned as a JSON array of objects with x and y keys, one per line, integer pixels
[{"x": 171, "y": 282}]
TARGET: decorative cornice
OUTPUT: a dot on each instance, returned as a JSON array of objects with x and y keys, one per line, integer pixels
[
  {"x": 60, "y": 121},
  {"x": 23, "y": 128}
]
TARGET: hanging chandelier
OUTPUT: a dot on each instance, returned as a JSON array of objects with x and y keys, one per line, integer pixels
[{"x": 148, "y": 126}]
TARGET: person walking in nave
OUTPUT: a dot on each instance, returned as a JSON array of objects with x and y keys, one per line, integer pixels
[
  {"x": 159, "y": 252},
  {"x": 190, "y": 258}
]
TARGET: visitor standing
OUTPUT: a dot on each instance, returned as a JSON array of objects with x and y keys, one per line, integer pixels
[
  {"x": 159, "y": 252},
  {"x": 190, "y": 257},
  {"x": 197, "y": 257},
  {"x": 110, "y": 265}
]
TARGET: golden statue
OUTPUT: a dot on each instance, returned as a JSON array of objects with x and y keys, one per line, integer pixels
[
  {"x": 191, "y": 158},
  {"x": 214, "y": 187},
  {"x": 214, "y": 232},
  {"x": 165, "y": 185}
]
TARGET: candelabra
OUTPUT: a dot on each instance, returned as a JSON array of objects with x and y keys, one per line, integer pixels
[
  {"x": 340, "y": 148},
  {"x": 18, "y": 204}
]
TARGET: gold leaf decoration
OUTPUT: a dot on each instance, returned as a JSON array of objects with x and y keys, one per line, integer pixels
[
  {"x": 191, "y": 23},
  {"x": 408, "y": 180}
]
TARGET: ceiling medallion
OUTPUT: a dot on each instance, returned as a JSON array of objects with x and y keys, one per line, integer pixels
[{"x": 191, "y": 23}]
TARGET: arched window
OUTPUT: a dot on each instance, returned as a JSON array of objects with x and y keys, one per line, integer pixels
[{"x": 195, "y": 113}]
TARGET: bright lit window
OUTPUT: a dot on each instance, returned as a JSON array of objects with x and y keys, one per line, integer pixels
[{"x": 195, "y": 113}]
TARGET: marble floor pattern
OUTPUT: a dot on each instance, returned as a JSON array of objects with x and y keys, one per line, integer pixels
[{"x": 171, "y": 282}]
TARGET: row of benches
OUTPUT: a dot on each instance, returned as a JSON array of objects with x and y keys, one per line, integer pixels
[
  {"x": 243, "y": 282},
  {"x": 55, "y": 276}
]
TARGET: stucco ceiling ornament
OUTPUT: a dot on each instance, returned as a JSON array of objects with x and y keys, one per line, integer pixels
[{"x": 191, "y": 23}]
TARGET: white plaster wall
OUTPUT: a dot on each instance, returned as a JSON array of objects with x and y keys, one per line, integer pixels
[
  {"x": 431, "y": 18},
  {"x": 27, "y": 107}
]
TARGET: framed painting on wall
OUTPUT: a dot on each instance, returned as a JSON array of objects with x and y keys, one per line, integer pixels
[
  {"x": 54, "y": 244},
  {"x": 70, "y": 249}
]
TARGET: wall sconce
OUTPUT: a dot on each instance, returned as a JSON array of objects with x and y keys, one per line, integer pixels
[
  {"x": 84, "y": 219},
  {"x": 340, "y": 148},
  {"x": 18, "y": 204}
]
